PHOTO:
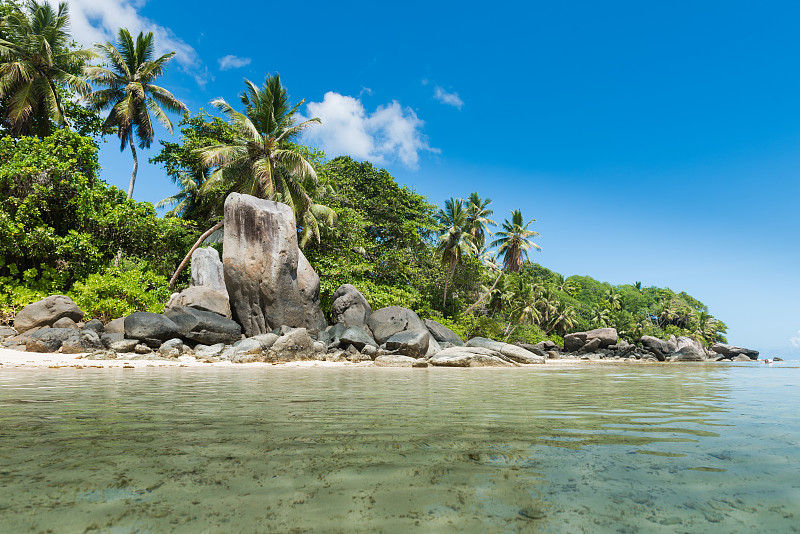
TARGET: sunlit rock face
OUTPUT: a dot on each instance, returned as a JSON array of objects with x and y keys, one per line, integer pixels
[{"x": 270, "y": 283}]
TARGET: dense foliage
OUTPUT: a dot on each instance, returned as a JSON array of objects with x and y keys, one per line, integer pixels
[
  {"x": 59, "y": 223},
  {"x": 63, "y": 230}
]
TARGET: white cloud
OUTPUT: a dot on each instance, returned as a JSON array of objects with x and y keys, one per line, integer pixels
[
  {"x": 392, "y": 132},
  {"x": 233, "y": 62},
  {"x": 451, "y": 99},
  {"x": 796, "y": 340},
  {"x": 98, "y": 21}
]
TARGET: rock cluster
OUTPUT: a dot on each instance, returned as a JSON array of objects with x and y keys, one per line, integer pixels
[{"x": 261, "y": 304}]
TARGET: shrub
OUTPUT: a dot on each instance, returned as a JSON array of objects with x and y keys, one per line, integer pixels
[{"x": 118, "y": 292}]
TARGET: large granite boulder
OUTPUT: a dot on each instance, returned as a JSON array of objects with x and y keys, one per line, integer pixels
[
  {"x": 207, "y": 270},
  {"x": 357, "y": 337},
  {"x": 413, "y": 343},
  {"x": 294, "y": 345},
  {"x": 469, "y": 357},
  {"x": 512, "y": 352},
  {"x": 46, "y": 312},
  {"x": 731, "y": 350},
  {"x": 650, "y": 343},
  {"x": 204, "y": 327},
  {"x": 576, "y": 341},
  {"x": 684, "y": 342},
  {"x": 83, "y": 341},
  {"x": 442, "y": 334},
  {"x": 269, "y": 280},
  {"x": 202, "y": 298},
  {"x": 146, "y": 325},
  {"x": 48, "y": 339},
  {"x": 388, "y": 321},
  {"x": 350, "y": 307},
  {"x": 688, "y": 353},
  {"x": 607, "y": 336}
]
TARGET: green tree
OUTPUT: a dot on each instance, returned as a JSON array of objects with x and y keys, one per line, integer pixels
[
  {"x": 514, "y": 241},
  {"x": 184, "y": 166},
  {"x": 36, "y": 61},
  {"x": 478, "y": 214},
  {"x": 130, "y": 93},
  {"x": 261, "y": 159},
  {"x": 455, "y": 240},
  {"x": 59, "y": 222}
]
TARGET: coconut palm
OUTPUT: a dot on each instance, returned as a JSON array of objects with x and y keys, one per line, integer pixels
[
  {"x": 261, "y": 161},
  {"x": 514, "y": 241},
  {"x": 478, "y": 218},
  {"x": 455, "y": 240},
  {"x": 564, "y": 320},
  {"x": 130, "y": 93},
  {"x": 521, "y": 298},
  {"x": 186, "y": 199},
  {"x": 36, "y": 59}
]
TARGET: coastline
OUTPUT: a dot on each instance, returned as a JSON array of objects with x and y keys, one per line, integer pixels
[{"x": 13, "y": 359}]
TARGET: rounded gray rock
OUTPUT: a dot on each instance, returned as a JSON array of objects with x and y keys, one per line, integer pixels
[{"x": 46, "y": 312}]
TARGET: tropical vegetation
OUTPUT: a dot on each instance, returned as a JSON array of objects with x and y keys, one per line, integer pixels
[{"x": 63, "y": 229}]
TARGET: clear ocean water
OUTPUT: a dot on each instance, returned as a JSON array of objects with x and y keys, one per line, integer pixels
[{"x": 595, "y": 448}]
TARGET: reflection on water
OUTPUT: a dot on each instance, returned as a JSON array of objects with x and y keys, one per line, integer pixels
[{"x": 592, "y": 449}]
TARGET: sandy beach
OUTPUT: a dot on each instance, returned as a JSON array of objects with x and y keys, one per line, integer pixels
[{"x": 15, "y": 359}]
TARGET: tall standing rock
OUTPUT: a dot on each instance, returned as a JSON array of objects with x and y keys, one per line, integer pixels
[
  {"x": 207, "y": 270},
  {"x": 270, "y": 283}
]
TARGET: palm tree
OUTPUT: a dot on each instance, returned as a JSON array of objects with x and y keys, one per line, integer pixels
[
  {"x": 455, "y": 239},
  {"x": 478, "y": 218},
  {"x": 514, "y": 241},
  {"x": 261, "y": 161},
  {"x": 130, "y": 93},
  {"x": 186, "y": 199},
  {"x": 36, "y": 59},
  {"x": 521, "y": 298}
]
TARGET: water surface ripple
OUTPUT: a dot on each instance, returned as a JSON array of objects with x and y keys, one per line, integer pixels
[{"x": 679, "y": 448}]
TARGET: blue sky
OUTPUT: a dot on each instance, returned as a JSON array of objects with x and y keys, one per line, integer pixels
[{"x": 657, "y": 142}]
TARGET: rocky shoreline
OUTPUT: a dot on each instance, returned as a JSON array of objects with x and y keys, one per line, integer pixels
[{"x": 260, "y": 303}]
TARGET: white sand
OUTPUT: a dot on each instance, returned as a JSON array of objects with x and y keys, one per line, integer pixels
[{"x": 12, "y": 358}]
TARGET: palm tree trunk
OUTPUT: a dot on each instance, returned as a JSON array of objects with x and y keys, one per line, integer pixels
[
  {"x": 135, "y": 167},
  {"x": 451, "y": 269},
  {"x": 508, "y": 335},
  {"x": 485, "y": 294},
  {"x": 200, "y": 240}
]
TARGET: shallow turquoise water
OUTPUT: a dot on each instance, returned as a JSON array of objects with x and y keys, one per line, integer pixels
[{"x": 637, "y": 448}]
